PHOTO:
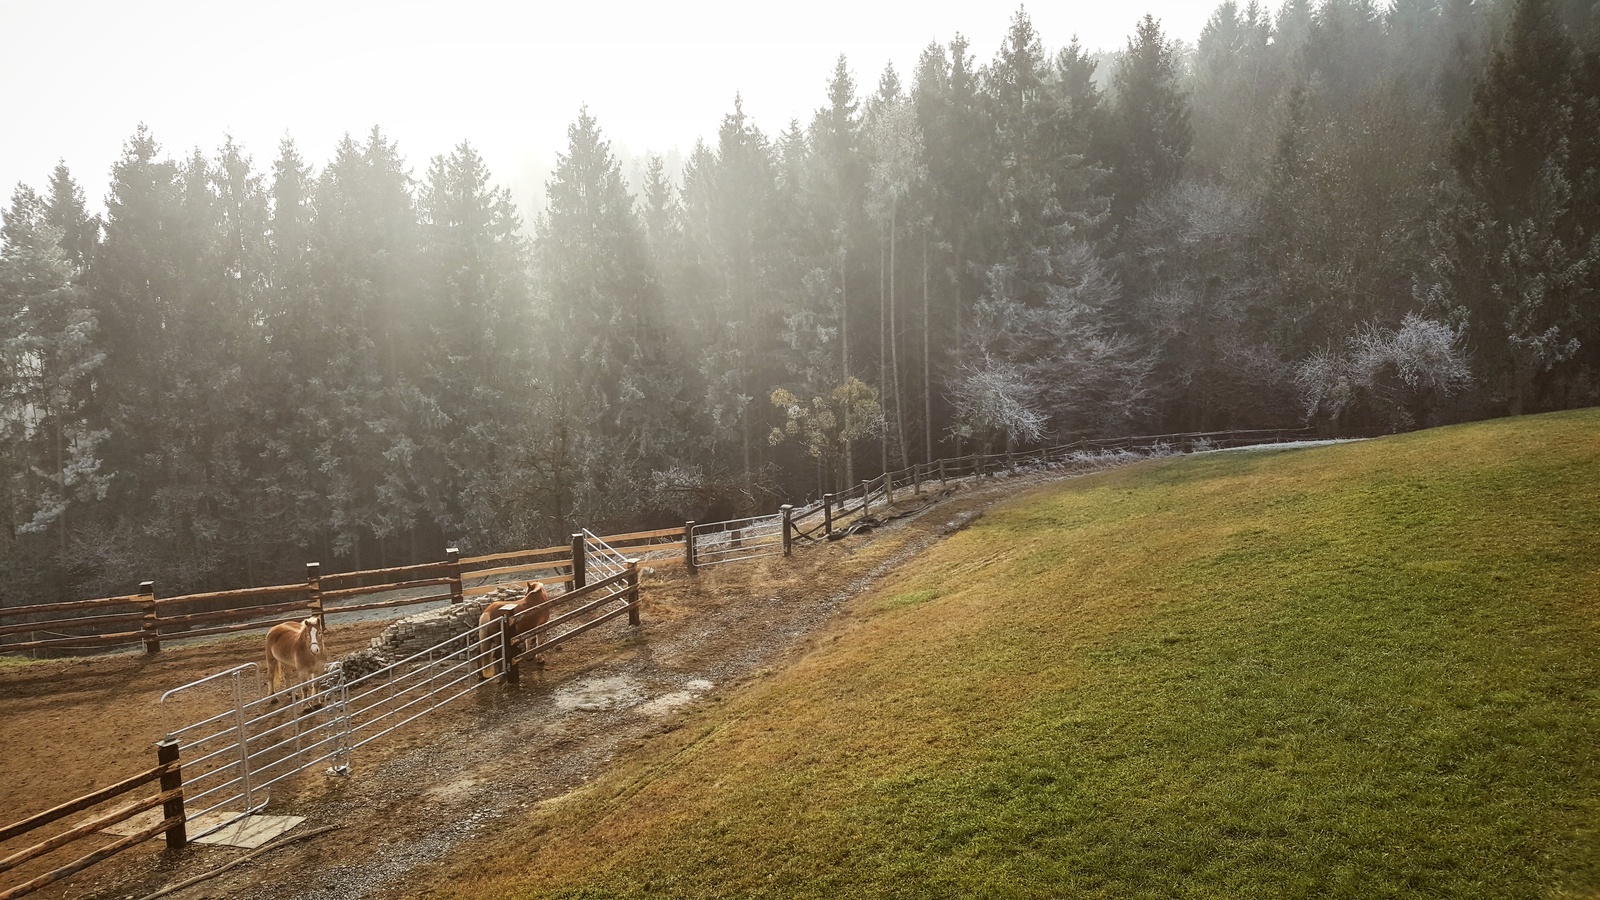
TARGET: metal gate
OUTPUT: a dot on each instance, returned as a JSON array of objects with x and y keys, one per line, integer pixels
[
  {"x": 738, "y": 539},
  {"x": 231, "y": 759}
]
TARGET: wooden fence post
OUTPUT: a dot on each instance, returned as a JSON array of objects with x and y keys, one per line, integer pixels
[
  {"x": 827, "y": 515},
  {"x": 888, "y": 488},
  {"x": 453, "y": 556},
  {"x": 633, "y": 592},
  {"x": 785, "y": 513},
  {"x": 580, "y": 576},
  {"x": 314, "y": 592},
  {"x": 941, "y": 474},
  {"x": 916, "y": 478},
  {"x": 688, "y": 547},
  {"x": 508, "y": 649},
  {"x": 171, "y": 780},
  {"x": 149, "y": 625},
  {"x": 866, "y": 498}
]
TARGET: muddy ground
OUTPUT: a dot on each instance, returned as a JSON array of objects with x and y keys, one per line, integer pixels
[{"x": 67, "y": 727}]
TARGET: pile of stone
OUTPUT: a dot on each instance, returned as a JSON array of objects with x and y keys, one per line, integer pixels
[{"x": 416, "y": 633}]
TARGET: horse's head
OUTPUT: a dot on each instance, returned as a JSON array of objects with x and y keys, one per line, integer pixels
[
  {"x": 534, "y": 593},
  {"x": 311, "y": 627}
]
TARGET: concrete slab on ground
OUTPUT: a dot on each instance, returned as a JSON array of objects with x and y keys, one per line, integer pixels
[{"x": 249, "y": 832}]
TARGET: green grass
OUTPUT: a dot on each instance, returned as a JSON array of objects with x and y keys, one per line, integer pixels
[{"x": 1365, "y": 670}]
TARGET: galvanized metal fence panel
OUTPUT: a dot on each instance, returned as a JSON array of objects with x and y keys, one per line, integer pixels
[
  {"x": 233, "y": 758},
  {"x": 602, "y": 557},
  {"x": 402, "y": 692},
  {"x": 737, "y": 539}
]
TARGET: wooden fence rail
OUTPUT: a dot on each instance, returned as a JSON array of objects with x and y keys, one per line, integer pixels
[
  {"x": 173, "y": 823},
  {"x": 521, "y": 644}
]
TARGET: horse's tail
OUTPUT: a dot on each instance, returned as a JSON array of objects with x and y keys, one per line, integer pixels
[{"x": 272, "y": 669}]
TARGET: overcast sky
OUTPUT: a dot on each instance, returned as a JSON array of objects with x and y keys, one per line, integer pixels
[{"x": 77, "y": 77}]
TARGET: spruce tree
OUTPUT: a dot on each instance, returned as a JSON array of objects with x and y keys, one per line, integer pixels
[
  {"x": 1150, "y": 120},
  {"x": 1520, "y": 244},
  {"x": 51, "y": 453},
  {"x": 615, "y": 364}
]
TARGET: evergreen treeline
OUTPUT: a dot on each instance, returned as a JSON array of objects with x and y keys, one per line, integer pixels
[{"x": 1370, "y": 218}]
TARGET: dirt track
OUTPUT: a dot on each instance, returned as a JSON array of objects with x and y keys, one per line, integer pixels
[{"x": 414, "y": 798}]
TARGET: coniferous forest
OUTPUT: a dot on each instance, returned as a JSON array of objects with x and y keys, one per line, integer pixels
[{"x": 1364, "y": 217}]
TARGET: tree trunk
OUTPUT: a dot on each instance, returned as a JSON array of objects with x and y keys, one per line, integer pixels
[
  {"x": 927, "y": 383},
  {"x": 883, "y": 350},
  {"x": 844, "y": 336},
  {"x": 744, "y": 375},
  {"x": 955, "y": 297},
  {"x": 61, "y": 472},
  {"x": 894, "y": 347}
]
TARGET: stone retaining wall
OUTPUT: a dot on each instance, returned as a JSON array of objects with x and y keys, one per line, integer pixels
[{"x": 416, "y": 633}]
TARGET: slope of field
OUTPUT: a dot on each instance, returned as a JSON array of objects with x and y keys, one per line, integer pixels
[{"x": 1362, "y": 670}]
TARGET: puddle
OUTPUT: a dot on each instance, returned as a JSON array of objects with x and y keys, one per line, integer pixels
[
  {"x": 599, "y": 694},
  {"x": 668, "y": 702}
]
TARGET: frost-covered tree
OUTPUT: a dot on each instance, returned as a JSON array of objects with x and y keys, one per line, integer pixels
[
  {"x": 1392, "y": 378},
  {"x": 1064, "y": 358},
  {"x": 997, "y": 403},
  {"x": 1520, "y": 248},
  {"x": 49, "y": 447}
]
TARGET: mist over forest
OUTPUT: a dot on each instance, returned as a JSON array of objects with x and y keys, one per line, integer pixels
[{"x": 1361, "y": 217}]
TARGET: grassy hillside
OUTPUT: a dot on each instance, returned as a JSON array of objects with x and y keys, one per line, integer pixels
[{"x": 1363, "y": 670}]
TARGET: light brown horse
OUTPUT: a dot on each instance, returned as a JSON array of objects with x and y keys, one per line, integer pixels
[
  {"x": 296, "y": 655},
  {"x": 532, "y": 597}
]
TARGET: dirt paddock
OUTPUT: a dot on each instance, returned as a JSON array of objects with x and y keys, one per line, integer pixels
[{"x": 69, "y": 726}]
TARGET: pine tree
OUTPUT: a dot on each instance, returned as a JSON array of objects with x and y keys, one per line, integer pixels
[
  {"x": 837, "y": 200},
  {"x": 615, "y": 364},
  {"x": 1235, "y": 89},
  {"x": 475, "y": 389},
  {"x": 366, "y": 254},
  {"x": 958, "y": 138},
  {"x": 1520, "y": 245},
  {"x": 65, "y": 210},
  {"x": 1150, "y": 120},
  {"x": 895, "y": 151},
  {"x": 137, "y": 295},
  {"x": 50, "y": 449}
]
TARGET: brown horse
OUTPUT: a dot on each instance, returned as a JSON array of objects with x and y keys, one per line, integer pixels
[
  {"x": 534, "y": 596},
  {"x": 296, "y": 655}
]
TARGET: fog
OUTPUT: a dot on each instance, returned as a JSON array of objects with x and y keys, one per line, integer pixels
[
  {"x": 489, "y": 316},
  {"x": 78, "y": 77}
]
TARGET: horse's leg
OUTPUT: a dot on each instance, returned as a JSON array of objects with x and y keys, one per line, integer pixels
[
  {"x": 309, "y": 686},
  {"x": 273, "y": 675},
  {"x": 484, "y": 650}
]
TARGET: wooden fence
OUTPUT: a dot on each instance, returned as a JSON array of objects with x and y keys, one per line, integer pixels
[
  {"x": 148, "y": 619},
  {"x": 144, "y": 618},
  {"x": 172, "y": 824},
  {"x": 825, "y": 518}
]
